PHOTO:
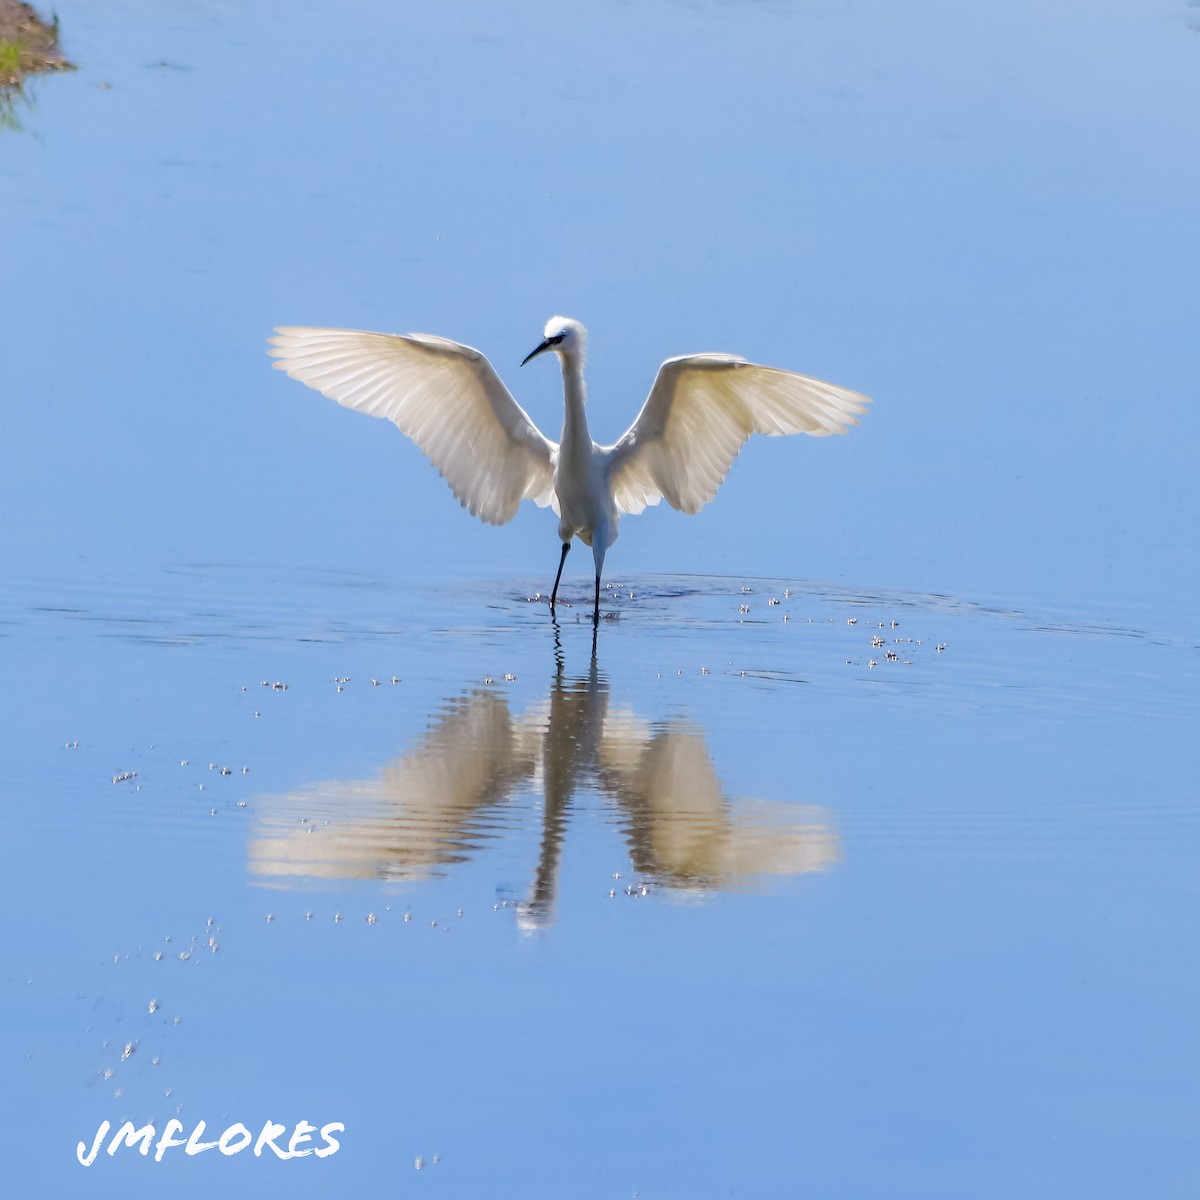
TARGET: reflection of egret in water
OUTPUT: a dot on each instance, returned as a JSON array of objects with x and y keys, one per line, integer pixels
[{"x": 444, "y": 799}]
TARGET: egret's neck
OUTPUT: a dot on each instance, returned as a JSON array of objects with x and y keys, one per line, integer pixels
[{"x": 575, "y": 427}]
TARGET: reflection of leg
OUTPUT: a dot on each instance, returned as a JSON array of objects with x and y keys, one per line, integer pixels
[
  {"x": 554, "y": 592},
  {"x": 538, "y": 911},
  {"x": 560, "y": 662}
]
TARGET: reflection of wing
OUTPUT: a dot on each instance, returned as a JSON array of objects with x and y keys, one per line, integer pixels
[
  {"x": 683, "y": 831},
  {"x": 424, "y": 811}
]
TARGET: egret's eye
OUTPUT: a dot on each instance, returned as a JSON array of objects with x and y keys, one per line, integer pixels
[{"x": 558, "y": 337}]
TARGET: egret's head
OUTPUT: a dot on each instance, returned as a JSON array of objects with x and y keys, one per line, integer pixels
[{"x": 565, "y": 337}]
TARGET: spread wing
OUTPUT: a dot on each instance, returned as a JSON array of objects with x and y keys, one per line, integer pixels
[
  {"x": 700, "y": 412},
  {"x": 444, "y": 396}
]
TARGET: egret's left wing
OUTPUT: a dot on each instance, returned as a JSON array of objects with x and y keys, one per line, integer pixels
[
  {"x": 444, "y": 396},
  {"x": 700, "y": 412}
]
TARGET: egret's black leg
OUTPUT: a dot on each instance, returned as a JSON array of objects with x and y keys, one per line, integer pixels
[
  {"x": 596, "y": 610},
  {"x": 554, "y": 591}
]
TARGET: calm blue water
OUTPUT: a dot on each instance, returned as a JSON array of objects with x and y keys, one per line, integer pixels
[{"x": 748, "y": 906}]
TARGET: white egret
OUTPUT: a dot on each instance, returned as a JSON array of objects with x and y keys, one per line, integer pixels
[{"x": 447, "y": 398}]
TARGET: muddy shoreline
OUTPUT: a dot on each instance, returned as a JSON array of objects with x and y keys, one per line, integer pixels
[{"x": 28, "y": 45}]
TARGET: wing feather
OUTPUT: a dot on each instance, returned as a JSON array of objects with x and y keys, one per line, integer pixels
[
  {"x": 700, "y": 412},
  {"x": 444, "y": 396}
]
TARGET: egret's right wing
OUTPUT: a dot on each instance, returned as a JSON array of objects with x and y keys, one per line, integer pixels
[
  {"x": 700, "y": 412},
  {"x": 443, "y": 395}
]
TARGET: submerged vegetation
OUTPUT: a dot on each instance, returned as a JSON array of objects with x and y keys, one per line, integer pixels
[{"x": 27, "y": 45}]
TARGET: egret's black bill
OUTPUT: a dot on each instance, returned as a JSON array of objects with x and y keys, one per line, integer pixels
[{"x": 547, "y": 344}]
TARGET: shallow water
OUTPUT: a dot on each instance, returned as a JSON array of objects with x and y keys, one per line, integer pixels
[
  {"x": 858, "y": 861},
  {"x": 726, "y": 885}
]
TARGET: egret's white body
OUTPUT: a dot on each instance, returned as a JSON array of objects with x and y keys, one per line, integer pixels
[{"x": 447, "y": 398}]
